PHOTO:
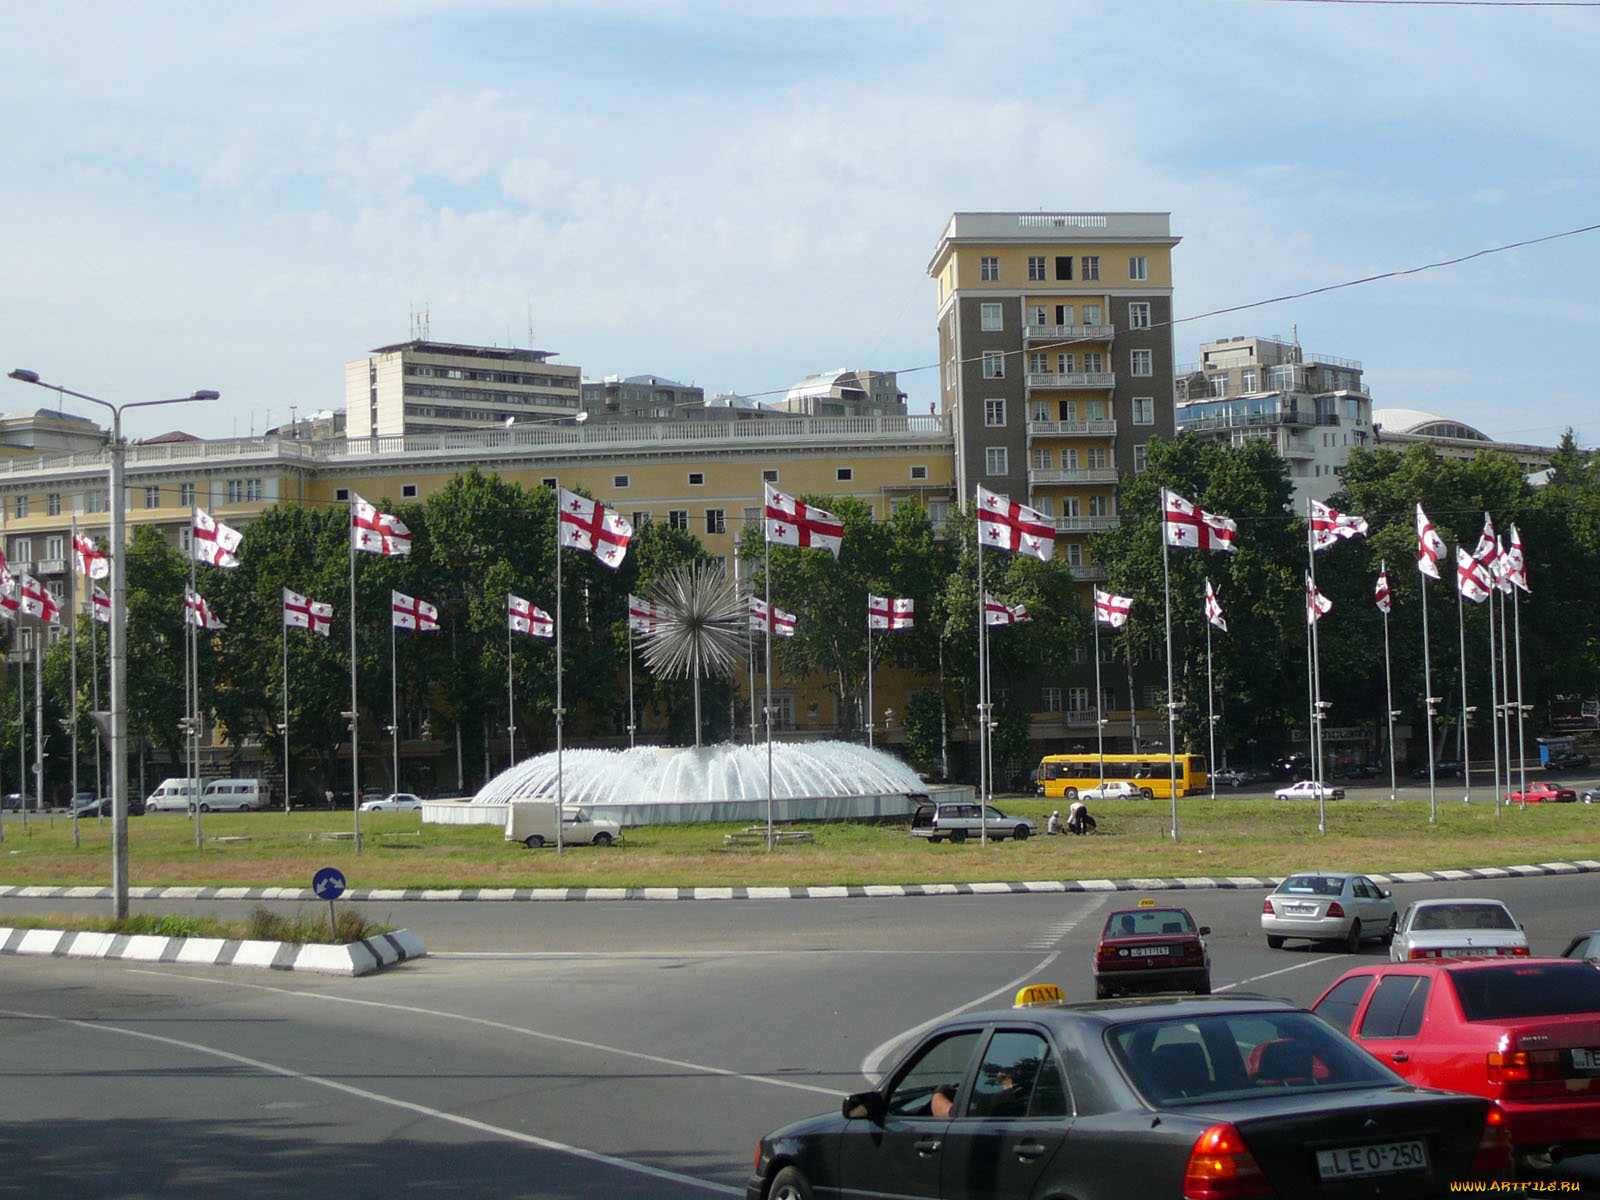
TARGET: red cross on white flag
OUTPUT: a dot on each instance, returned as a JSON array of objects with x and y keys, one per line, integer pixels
[
  {"x": 213, "y": 542},
  {"x": 302, "y": 612},
  {"x": 644, "y": 617},
  {"x": 524, "y": 617},
  {"x": 1214, "y": 608},
  {"x": 1430, "y": 546},
  {"x": 998, "y": 612},
  {"x": 1316, "y": 603},
  {"x": 1474, "y": 579},
  {"x": 10, "y": 602},
  {"x": 102, "y": 605},
  {"x": 375, "y": 532},
  {"x": 793, "y": 522},
  {"x": 1517, "y": 566},
  {"x": 1016, "y": 527},
  {"x": 198, "y": 613},
  {"x": 1193, "y": 528},
  {"x": 589, "y": 525},
  {"x": 1380, "y": 592},
  {"x": 1328, "y": 527},
  {"x": 38, "y": 601},
  {"x": 411, "y": 613},
  {"x": 886, "y": 613},
  {"x": 1111, "y": 610},
  {"x": 92, "y": 560},
  {"x": 782, "y": 622}
]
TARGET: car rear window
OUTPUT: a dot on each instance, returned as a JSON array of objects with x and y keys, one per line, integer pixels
[
  {"x": 1528, "y": 990},
  {"x": 1313, "y": 885},
  {"x": 1148, "y": 922},
  {"x": 1464, "y": 916}
]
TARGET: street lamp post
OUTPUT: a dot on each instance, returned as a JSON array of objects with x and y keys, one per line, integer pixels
[{"x": 119, "y": 634}]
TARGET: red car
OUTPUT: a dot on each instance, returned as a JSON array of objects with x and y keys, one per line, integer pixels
[
  {"x": 1523, "y": 1032},
  {"x": 1543, "y": 793},
  {"x": 1152, "y": 949}
]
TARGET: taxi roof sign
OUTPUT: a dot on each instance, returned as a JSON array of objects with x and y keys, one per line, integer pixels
[
  {"x": 1147, "y": 902},
  {"x": 1039, "y": 993}
]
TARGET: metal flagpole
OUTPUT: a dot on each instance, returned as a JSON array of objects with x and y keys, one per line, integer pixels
[
  {"x": 1494, "y": 706},
  {"x": 38, "y": 710},
  {"x": 766, "y": 711},
  {"x": 354, "y": 715},
  {"x": 983, "y": 699},
  {"x": 869, "y": 675},
  {"x": 631, "y": 724},
  {"x": 1505, "y": 694},
  {"x": 1466, "y": 711},
  {"x": 511, "y": 708},
  {"x": 1522, "y": 756},
  {"x": 72, "y": 636},
  {"x": 94, "y": 688},
  {"x": 192, "y": 686},
  {"x": 750, "y": 661},
  {"x": 394, "y": 707},
  {"x": 1172, "y": 708},
  {"x": 1318, "y": 763},
  {"x": 285, "y": 624},
  {"x": 1099, "y": 716},
  {"x": 1211, "y": 712},
  {"x": 22, "y": 722},
  {"x": 560, "y": 710},
  {"x": 1428, "y": 701},
  {"x": 1388, "y": 685}
]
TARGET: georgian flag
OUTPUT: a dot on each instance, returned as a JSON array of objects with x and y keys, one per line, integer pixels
[
  {"x": 10, "y": 602},
  {"x": 997, "y": 612},
  {"x": 793, "y": 522},
  {"x": 1214, "y": 608},
  {"x": 198, "y": 613},
  {"x": 782, "y": 622},
  {"x": 6, "y": 577},
  {"x": 1111, "y": 610},
  {"x": 884, "y": 613},
  {"x": 589, "y": 525},
  {"x": 1193, "y": 528},
  {"x": 524, "y": 617},
  {"x": 102, "y": 605},
  {"x": 1516, "y": 565},
  {"x": 302, "y": 612},
  {"x": 1328, "y": 527},
  {"x": 411, "y": 613},
  {"x": 1380, "y": 591},
  {"x": 1502, "y": 567},
  {"x": 644, "y": 617},
  {"x": 213, "y": 542},
  {"x": 376, "y": 532},
  {"x": 37, "y": 601},
  {"x": 1474, "y": 579},
  {"x": 1014, "y": 526},
  {"x": 1430, "y": 546},
  {"x": 1316, "y": 603},
  {"x": 92, "y": 560}
]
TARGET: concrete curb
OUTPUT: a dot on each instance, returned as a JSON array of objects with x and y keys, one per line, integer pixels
[
  {"x": 840, "y": 892},
  {"x": 354, "y": 958}
]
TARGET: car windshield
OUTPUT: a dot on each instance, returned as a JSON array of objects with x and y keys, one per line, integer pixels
[
  {"x": 1235, "y": 1056},
  {"x": 1463, "y": 916},
  {"x": 1148, "y": 922},
  {"x": 1527, "y": 990},
  {"x": 1313, "y": 885}
]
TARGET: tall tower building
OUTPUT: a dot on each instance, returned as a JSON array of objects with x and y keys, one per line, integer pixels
[
  {"x": 433, "y": 387},
  {"x": 1055, "y": 344}
]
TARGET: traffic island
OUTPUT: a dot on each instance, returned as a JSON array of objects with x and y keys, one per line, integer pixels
[{"x": 348, "y": 958}]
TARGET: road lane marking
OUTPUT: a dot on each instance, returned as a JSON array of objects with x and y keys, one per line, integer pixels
[
  {"x": 438, "y": 1114},
  {"x": 1310, "y": 962}
]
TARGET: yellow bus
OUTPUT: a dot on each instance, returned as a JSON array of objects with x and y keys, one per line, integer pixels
[{"x": 1063, "y": 776}]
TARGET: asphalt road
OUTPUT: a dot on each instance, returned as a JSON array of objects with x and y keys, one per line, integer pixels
[{"x": 554, "y": 1050}]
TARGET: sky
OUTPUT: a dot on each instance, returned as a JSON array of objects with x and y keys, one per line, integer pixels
[{"x": 244, "y": 197}]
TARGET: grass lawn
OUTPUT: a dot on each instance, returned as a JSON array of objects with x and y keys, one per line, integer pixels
[{"x": 1251, "y": 836}]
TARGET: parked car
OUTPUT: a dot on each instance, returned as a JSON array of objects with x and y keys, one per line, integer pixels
[
  {"x": 101, "y": 807},
  {"x": 1227, "y": 777},
  {"x": 1585, "y": 946},
  {"x": 1292, "y": 766},
  {"x": 959, "y": 820},
  {"x": 1309, "y": 789},
  {"x": 1455, "y": 928},
  {"x": 1567, "y": 760},
  {"x": 1328, "y": 906},
  {"x": 1591, "y": 795},
  {"x": 1151, "y": 949},
  {"x": 533, "y": 823},
  {"x": 1112, "y": 789},
  {"x": 1542, "y": 793},
  {"x": 1358, "y": 771},
  {"x": 11, "y": 802},
  {"x": 1443, "y": 769},
  {"x": 393, "y": 802},
  {"x": 172, "y": 795},
  {"x": 1193, "y": 1096},
  {"x": 1525, "y": 1035},
  {"x": 235, "y": 795}
]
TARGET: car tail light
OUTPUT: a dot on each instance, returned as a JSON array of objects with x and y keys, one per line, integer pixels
[
  {"x": 1524, "y": 1066},
  {"x": 1415, "y": 953},
  {"x": 1221, "y": 1167},
  {"x": 1106, "y": 954},
  {"x": 1516, "y": 951},
  {"x": 1493, "y": 1156},
  {"x": 1267, "y": 909},
  {"x": 1336, "y": 909}
]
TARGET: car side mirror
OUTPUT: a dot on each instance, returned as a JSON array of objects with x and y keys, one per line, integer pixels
[
  {"x": 1205, "y": 930},
  {"x": 1385, "y": 893},
  {"x": 864, "y": 1106}
]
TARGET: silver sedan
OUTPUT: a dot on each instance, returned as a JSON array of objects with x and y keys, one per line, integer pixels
[
  {"x": 1328, "y": 906},
  {"x": 1456, "y": 928}
]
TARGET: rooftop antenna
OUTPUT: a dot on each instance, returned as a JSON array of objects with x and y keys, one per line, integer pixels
[{"x": 530, "y": 323}]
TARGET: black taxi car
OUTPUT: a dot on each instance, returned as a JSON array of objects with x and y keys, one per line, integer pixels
[
  {"x": 1152, "y": 948},
  {"x": 1198, "y": 1097}
]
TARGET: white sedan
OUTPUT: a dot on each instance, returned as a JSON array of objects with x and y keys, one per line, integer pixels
[
  {"x": 1309, "y": 789},
  {"x": 1111, "y": 789},
  {"x": 1457, "y": 928},
  {"x": 393, "y": 802}
]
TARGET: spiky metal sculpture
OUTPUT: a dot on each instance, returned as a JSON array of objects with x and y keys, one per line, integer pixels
[{"x": 705, "y": 628}]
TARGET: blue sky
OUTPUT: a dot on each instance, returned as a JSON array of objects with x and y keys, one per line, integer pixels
[{"x": 244, "y": 198}]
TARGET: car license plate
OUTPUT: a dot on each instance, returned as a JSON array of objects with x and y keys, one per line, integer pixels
[
  {"x": 1586, "y": 1060},
  {"x": 1386, "y": 1158},
  {"x": 1301, "y": 910},
  {"x": 1470, "y": 951},
  {"x": 1149, "y": 951}
]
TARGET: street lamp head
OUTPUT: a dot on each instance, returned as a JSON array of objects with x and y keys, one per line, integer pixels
[
  {"x": 581, "y": 417},
  {"x": 206, "y": 394},
  {"x": 25, "y": 376}
]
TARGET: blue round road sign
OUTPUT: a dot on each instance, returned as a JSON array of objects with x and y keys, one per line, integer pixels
[{"x": 328, "y": 883}]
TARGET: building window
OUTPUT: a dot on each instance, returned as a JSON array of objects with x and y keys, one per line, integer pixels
[
  {"x": 186, "y": 494},
  {"x": 1065, "y": 363},
  {"x": 989, "y": 318},
  {"x": 55, "y": 546},
  {"x": 678, "y": 518},
  {"x": 994, "y": 413},
  {"x": 716, "y": 520},
  {"x": 1063, "y": 314},
  {"x": 1098, "y": 506},
  {"x": 1079, "y": 699},
  {"x": 1093, "y": 362},
  {"x": 1036, "y": 268},
  {"x": 1074, "y": 552},
  {"x": 1139, "y": 314},
  {"x": 1038, "y": 362},
  {"x": 919, "y": 472},
  {"x": 1039, "y": 411},
  {"x": 1069, "y": 458},
  {"x": 550, "y": 481},
  {"x": 1037, "y": 315},
  {"x": 1144, "y": 410},
  {"x": 1099, "y": 458},
  {"x": 186, "y": 540},
  {"x": 1045, "y": 504},
  {"x": 994, "y": 366},
  {"x": 1247, "y": 380},
  {"x": 52, "y": 504},
  {"x": 697, "y": 478},
  {"x": 1069, "y": 506},
  {"x": 1091, "y": 267},
  {"x": 1063, "y": 271},
  {"x": 1142, "y": 362},
  {"x": 94, "y": 501},
  {"x": 994, "y": 460},
  {"x": 152, "y": 497},
  {"x": 1091, "y": 314},
  {"x": 21, "y": 507},
  {"x": 1050, "y": 699},
  {"x": 1097, "y": 410},
  {"x": 844, "y": 474},
  {"x": 619, "y": 481},
  {"x": 769, "y": 475},
  {"x": 1138, "y": 268},
  {"x": 1140, "y": 459},
  {"x": 1043, "y": 458},
  {"x": 989, "y": 268},
  {"x": 408, "y": 491}
]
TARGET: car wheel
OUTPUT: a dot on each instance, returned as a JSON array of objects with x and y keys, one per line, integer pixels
[
  {"x": 205, "y": 808},
  {"x": 1275, "y": 941},
  {"x": 533, "y": 841},
  {"x": 1388, "y": 932},
  {"x": 1352, "y": 942},
  {"x": 1070, "y": 794},
  {"x": 1020, "y": 833},
  {"x": 789, "y": 1184},
  {"x": 934, "y": 839},
  {"x": 602, "y": 839},
  {"x": 1146, "y": 794},
  {"x": 958, "y": 835}
]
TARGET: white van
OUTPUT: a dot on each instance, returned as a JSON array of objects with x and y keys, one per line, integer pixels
[
  {"x": 174, "y": 795},
  {"x": 237, "y": 795},
  {"x": 533, "y": 823}
]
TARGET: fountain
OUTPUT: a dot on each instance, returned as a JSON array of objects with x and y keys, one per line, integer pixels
[{"x": 652, "y": 785}]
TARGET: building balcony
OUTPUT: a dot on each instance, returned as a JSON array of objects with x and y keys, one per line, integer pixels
[
  {"x": 1079, "y": 718},
  {"x": 1068, "y": 333},
  {"x": 1044, "y": 475},
  {"x": 1102, "y": 381},
  {"x": 1043, "y": 429},
  {"x": 1212, "y": 422},
  {"x": 1086, "y": 524},
  {"x": 50, "y": 566},
  {"x": 1088, "y": 572}
]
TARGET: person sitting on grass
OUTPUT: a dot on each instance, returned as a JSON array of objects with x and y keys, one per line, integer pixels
[
  {"x": 1053, "y": 825},
  {"x": 1079, "y": 820}
]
